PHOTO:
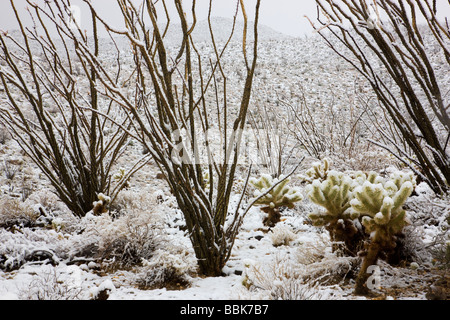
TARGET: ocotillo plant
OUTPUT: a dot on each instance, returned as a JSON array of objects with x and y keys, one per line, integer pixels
[
  {"x": 172, "y": 116},
  {"x": 51, "y": 101},
  {"x": 280, "y": 196}
]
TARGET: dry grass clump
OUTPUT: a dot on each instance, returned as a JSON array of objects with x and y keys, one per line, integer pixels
[
  {"x": 14, "y": 213},
  {"x": 122, "y": 243},
  {"x": 282, "y": 279},
  {"x": 282, "y": 235},
  {"x": 50, "y": 285},
  {"x": 169, "y": 268}
]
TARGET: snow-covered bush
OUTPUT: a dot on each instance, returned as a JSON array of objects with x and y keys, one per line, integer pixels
[
  {"x": 283, "y": 279},
  {"x": 116, "y": 243},
  {"x": 102, "y": 291},
  {"x": 440, "y": 251},
  {"x": 280, "y": 196},
  {"x": 31, "y": 246},
  {"x": 14, "y": 213},
  {"x": 282, "y": 235},
  {"x": 312, "y": 251},
  {"x": 447, "y": 253},
  {"x": 48, "y": 200},
  {"x": 167, "y": 268},
  {"x": 149, "y": 199},
  {"x": 322, "y": 265},
  {"x": 51, "y": 285},
  {"x": 127, "y": 240}
]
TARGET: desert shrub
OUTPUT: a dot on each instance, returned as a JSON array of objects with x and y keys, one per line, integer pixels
[
  {"x": 324, "y": 266},
  {"x": 167, "y": 268},
  {"x": 47, "y": 199},
  {"x": 282, "y": 279},
  {"x": 115, "y": 243},
  {"x": 429, "y": 211},
  {"x": 14, "y": 213},
  {"x": 31, "y": 246},
  {"x": 440, "y": 251},
  {"x": 10, "y": 170},
  {"x": 143, "y": 200},
  {"x": 4, "y": 135},
  {"x": 282, "y": 235},
  {"x": 312, "y": 251},
  {"x": 128, "y": 240},
  {"x": 50, "y": 285}
]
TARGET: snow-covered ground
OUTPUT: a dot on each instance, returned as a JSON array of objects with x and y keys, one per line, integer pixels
[{"x": 291, "y": 261}]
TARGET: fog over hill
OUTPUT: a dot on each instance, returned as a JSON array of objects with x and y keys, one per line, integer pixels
[{"x": 222, "y": 28}]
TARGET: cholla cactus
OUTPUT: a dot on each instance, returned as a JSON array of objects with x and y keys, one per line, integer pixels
[
  {"x": 280, "y": 196},
  {"x": 120, "y": 177},
  {"x": 381, "y": 207},
  {"x": 334, "y": 194},
  {"x": 318, "y": 171},
  {"x": 378, "y": 202},
  {"x": 101, "y": 206}
]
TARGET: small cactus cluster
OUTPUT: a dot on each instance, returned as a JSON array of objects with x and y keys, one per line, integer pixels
[
  {"x": 120, "y": 177},
  {"x": 376, "y": 201},
  {"x": 334, "y": 194},
  {"x": 318, "y": 171},
  {"x": 379, "y": 203},
  {"x": 280, "y": 196},
  {"x": 102, "y": 205},
  {"x": 381, "y": 206}
]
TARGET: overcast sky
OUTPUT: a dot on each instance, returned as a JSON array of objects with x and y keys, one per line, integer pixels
[{"x": 286, "y": 16}]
